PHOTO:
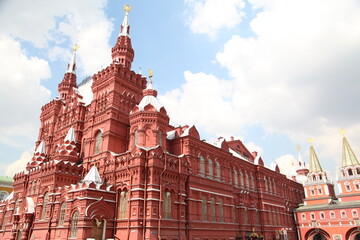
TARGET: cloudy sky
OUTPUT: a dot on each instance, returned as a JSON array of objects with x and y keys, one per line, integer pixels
[{"x": 272, "y": 72}]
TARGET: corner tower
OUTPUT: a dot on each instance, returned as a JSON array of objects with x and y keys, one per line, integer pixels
[
  {"x": 318, "y": 189},
  {"x": 349, "y": 174}
]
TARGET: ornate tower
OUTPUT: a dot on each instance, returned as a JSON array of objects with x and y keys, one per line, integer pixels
[
  {"x": 148, "y": 121},
  {"x": 122, "y": 52},
  {"x": 116, "y": 90},
  {"x": 318, "y": 189},
  {"x": 349, "y": 174}
]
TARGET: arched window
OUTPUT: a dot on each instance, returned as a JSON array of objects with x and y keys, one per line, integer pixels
[
  {"x": 241, "y": 176},
  {"x": 247, "y": 180},
  {"x": 266, "y": 185},
  {"x": 322, "y": 215},
  {"x": 236, "y": 183},
  {"x": 210, "y": 169},
  {"x": 74, "y": 224},
  {"x": 218, "y": 170},
  {"x": 332, "y": 215},
  {"x": 343, "y": 214},
  {"x": 3, "y": 195},
  {"x": 303, "y": 216},
  {"x": 123, "y": 204},
  {"x": 354, "y": 213},
  {"x": 167, "y": 205},
  {"x": 98, "y": 143},
  {"x": 44, "y": 206},
  {"x": 62, "y": 214},
  {"x": 350, "y": 172},
  {"x": 312, "y": 216},
  {"x": 252, "y": 181},
  {"x": 201, "y": 165}
]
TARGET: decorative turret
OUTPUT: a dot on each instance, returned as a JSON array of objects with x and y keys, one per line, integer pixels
[
  {"x": 148, "y": 120},
  {"x": 302, "y": 171},
  {"x": 122, "y": 52},
  {"x": 69, "y": 80},
  {"x": 38, "y": 157},
  {"x": 93, "y": 176},
  {"x": 349, "y": 173},
  {"x": 318, "y": 189},
  {"x": 68, "y": 151}
]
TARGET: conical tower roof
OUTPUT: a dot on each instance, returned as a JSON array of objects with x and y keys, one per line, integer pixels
[
  {"x": 348, "y": 156},
  {"x": 93, "y": 176},
  {"x": 314, "y": 161}
]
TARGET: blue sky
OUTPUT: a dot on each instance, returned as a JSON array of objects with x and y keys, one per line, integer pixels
[{"x": 272, "y": 73}]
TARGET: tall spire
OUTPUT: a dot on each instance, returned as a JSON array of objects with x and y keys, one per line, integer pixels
[
  {"x": 69, "y": 80},
  {"x": 72, "y": 64},
  {"x": 314, "y": 161},
  {"x": 125, "y": 26},
  {"x": 123, "y": 53},
  {"x": 348, "y": 156}
]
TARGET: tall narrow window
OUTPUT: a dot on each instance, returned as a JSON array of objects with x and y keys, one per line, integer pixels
[
  {"x": 74, "y": 225},
  {"x": 221, "y": 210},
  {"x": 37, "y": 186},
  {"x": 266, "y": 185},
  {"x": 98, "y": 143},
  {"x": 201, "y": 165},
  {"x": 136, "y": 137},
  {"x": 218, "y": 170},
  {"x": 213, "y": 210},
  {"x": 252, "y": 182},
  {"x": 62, "y": 214},
  {"x": 17, "y": 207},
  {"x": 236, "y": 178},
  {"x": 44, "y": 207},
  {"x": 160, "y": 138},
  {"x": 204, "y": 208},
  {"x": 5, "y": 220},
  {"x": 167, "y": 205},
  {"x": 210, "y": 169},
  {"x": 123, "y": 204},
  {"x": 246, "y": 218},
  {"x": 247, "y": 180},
  {"x": 241, "y": 178}
]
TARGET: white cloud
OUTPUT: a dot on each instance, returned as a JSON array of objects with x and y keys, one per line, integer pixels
[
  {"x": 21, "y": 91},
  {"x": 299, "y": 77},
  {"x": 209, "y": 16},
  {"x": 19, "y": 165},
  {"x": 287, "y": 164},
  {"x": 49, "y": 24}
]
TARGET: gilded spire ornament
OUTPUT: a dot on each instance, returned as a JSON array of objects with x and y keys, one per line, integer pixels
[
  {"x": 150, "y": 76},
  {"x": 127, "y": 8},
  {"x": 75, "y": 47}
]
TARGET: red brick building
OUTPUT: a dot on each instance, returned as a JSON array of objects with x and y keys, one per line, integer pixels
[
  {"x": 116, "y": 169},
  {"x": 323, "y": 214}
]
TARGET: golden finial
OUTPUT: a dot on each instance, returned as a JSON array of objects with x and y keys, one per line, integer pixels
[
  {"x": 298, "y": 148},
  {"x": 75, "y": 47},
  {"x": 310, "y": 140},
  {"x": 342, "y": 131},
  {"x": 150, "y": 73},
  {"x": 127, "y": 8}
]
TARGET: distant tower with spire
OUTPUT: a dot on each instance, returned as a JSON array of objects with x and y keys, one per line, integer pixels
[
  {"x": 348, "y": 174},
  {"x": 69, "y": 80},
  {"x": 318, "y": 188}
]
